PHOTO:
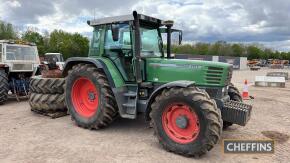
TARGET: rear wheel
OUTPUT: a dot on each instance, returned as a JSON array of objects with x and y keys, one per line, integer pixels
[
  {"x": 47, "y": 95},
  {"x": 186, "y": 121},
  {"x": 89, "y": 97},
  {"x": 38, "y": 84},
  {"x": 47, "y": 103},
  {"x": 235, "y": 95},
  {"x": 4, "y": 87}
]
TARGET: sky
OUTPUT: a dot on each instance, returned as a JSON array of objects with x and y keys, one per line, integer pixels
[{"x": 265, "y": 22}]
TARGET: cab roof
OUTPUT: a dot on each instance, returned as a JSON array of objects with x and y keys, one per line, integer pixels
[{"x": 123, "y": 18}]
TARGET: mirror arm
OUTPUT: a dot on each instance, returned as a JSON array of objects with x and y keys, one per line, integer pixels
[{"x": 168, "y": 40}]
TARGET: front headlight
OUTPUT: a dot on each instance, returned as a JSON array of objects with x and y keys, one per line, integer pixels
[{"x": 225, "y": 89}]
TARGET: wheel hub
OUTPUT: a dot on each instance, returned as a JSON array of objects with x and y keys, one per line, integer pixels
[
  {"x": 181, "y": 122},
  {"x": 85, "y": 97},
  {"x": 91, "y": 96}
]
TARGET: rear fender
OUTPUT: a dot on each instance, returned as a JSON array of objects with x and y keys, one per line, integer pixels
[{"x": 98, "y": 63}]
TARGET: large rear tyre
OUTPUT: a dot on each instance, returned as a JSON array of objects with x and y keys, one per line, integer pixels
[
  {"x": 235, "y": 95},
  {"x": 4, "y": 87},
  {"x": 89, "y": 97},
  {"x": 47, "y": 103},
  {"x": 186, "y": 121},
  {"x": 47, "y": 85}
]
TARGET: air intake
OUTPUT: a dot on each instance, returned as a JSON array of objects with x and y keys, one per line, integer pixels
[{"x": 214, "y": 75}]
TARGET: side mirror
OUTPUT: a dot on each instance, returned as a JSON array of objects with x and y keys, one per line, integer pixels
[
  {"x": 115, "y": 31},
  {"x": 180, "y": 38}
]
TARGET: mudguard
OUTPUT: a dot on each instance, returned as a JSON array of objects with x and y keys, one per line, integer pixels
[
  {"x": 98, "y": 63},
  {"x": 178, "y": 83}
]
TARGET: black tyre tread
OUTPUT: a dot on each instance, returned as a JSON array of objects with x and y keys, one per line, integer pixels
[
  {"x": 235, "y": 95},
  {"x": 109, "y": 113},
  {"x": 47, "y": 102},
  {"x": 209, "y": 107},
  {"x": 4, "y": 87},
  {"x": 47, "y": 85}
]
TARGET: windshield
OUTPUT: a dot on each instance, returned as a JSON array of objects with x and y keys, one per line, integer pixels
[
  {"x": 151, "y": 42},
  {"x": 53, "y": 57},
  {"x": 26, "y": 53}
]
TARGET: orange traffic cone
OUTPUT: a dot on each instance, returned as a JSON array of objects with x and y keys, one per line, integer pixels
[{"x": 246, "y": 91}]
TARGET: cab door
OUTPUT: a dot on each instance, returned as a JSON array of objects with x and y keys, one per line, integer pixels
[{"x": 120, "y": 52}]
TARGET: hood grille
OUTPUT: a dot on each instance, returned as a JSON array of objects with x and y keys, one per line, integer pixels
[{"x": 214, "y": 75}]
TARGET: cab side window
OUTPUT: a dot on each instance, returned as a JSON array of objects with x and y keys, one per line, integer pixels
[
  {"x": 124, "y": 41},
  {"x": 120, "y": 51},
  {"x": 95, "y": 43}
]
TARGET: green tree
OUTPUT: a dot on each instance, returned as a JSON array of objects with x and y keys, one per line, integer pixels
[
  {"x": 237, "y": 50},
  {"x": 253, "y": 52},
  {"x": 7, "y": 31},
  {"x": 70, "y": 45},
  {"x": 201, "y": 48},
  {"x": 35, "y": 37}
]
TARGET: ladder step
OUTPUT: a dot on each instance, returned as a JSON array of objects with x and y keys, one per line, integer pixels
[
  {"x": 129, "y": 116},
  {"x": 129, "y": 105},
  {"x": 130, "y": 94}
]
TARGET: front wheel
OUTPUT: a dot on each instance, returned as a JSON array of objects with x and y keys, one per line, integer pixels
[{"x": 186, "y": 121}]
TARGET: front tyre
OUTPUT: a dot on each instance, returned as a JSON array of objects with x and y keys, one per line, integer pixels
[
  {"x": 235, "y": 95},
  {"x": 89, "y": 98},
  {"x": 186, "y": 121}
]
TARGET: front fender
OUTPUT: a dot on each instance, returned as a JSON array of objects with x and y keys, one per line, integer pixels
[{"x": 179, "y": 83}]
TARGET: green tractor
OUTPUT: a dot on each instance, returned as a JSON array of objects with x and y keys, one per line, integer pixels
[{"x": 128, "y": 73}]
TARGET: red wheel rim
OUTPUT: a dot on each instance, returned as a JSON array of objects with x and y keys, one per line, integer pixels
[
  {"x": 180, "y": 123},
  {"x": 85, "y": 97}
]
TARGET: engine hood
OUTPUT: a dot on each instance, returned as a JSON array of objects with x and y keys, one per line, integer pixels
[{"x": 205, "y": 73}]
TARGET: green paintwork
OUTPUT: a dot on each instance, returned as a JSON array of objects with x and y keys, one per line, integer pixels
[
  {"x": 161, "y": 70},
  {"x": 117, "y": 78}
]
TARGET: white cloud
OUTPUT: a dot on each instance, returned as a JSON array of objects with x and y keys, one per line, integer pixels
[
  {"x": 201, "y": 20},
  {"x": 14, "y": 4}
]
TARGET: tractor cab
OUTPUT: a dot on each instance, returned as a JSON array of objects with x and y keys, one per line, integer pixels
[
  {"x": 54, "y": 60},
  {"x": 128, "y": 40}
]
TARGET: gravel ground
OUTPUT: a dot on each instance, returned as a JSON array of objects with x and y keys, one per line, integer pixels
[{"x": 28, "y": 137}]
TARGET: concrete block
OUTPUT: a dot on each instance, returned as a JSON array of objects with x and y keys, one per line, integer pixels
[
  {"x": 278, "y": 74},
  {"x": 269, "y": 81}
]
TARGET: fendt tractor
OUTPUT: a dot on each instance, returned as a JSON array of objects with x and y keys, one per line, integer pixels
[
  {"x": 127, "y": 72},
  {"x": 18, "y": 62}
]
